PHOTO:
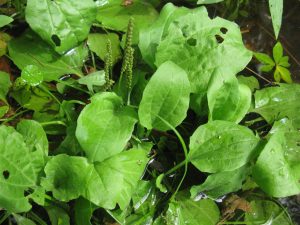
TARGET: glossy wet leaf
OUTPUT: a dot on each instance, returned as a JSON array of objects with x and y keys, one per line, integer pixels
[
  {"x": 218, "y": 184},
  {"x": 63, "y": 24},
  {"x": 5, "y": 84},
  {"x": 227, "y": 99},
  {"x": 29, "y": 49},
  {"x": 167, "y": 96},
  {"x": 32, "y": 75},
  {"x": 276, "y": 9},
  {"x": 277, "y": 169},
  {"x": 105, "y": 126},
  {"x": 98, "y": 44},
  {"x": 105, "y": 183},
  {"x": 266, "y": 212},
  {"x": 19, "y": 170},
  {"x": 115, "y": 16},
  {"x": 203, "y": 47},
  {"x": 186, "y": 211},
  {"x": 275, "y": 103},
  {"x": 220, "y": 146}
]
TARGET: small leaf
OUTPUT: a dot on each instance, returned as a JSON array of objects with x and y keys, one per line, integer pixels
[
  {"x": 266, "y": 68},
  {"x": 104, "y": 126},
  {"x": 285, "y": 74},
  {"x": 264, "y": 58},
  {"x": 93, "y": 79},
  {"x": 32, "y": 75},
  {"x": 284, "y": 61},
  {"x": 166, "y": 96},
  {"x": 266, "y": 212},
  {"x": 57, "y": 215},
  {"x": 5, "y": 20},
  {"x": 276, "y": 9},
  {"x": 277, "y": 75},
  {"x": 159, "y": 184},
  {"x": 220, "y": 146},
  {"x": 5, "y": 84},
  {"x": 277, "y": 52},
  {"x": 251, "y": 82}
]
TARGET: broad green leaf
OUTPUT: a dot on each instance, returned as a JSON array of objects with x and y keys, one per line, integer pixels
[
  {"x": 199, "y": 2},
  {"x": 5, "y": 20},
  {"x": 93, "y": 79},
  {"x": 220, "y": 146},
  {"x": 98, "y": 44},
  {"x": 61, "y": 23},
  {"x": 277, "y": 52},
  {"x": 105, "y": 183},
  {"x": 120, "y": 175},
  {"x": 251, "y": 82},
  {"x": 264, "y": 58},
  {"x": 105, "y": 126},
  {"x": 186, "y": 211},
  {"x": 29, "y": 49},
  {"x": 219, "y": 184},
  {"x": 203, "y": 47},
  {"x": 151, "y": 35},
  {"x": 276, "y": 9},
  {"x": 277, "y": 169},
  {"x": 166, "y": 96},
  {"x": 32, "y": 75},
  {"x": 19, "y": 170},
  {"x": 275, "y": 103},
  {"x": 266, "y": 212},
  {"x": 68, "y": 177},
  {"x": 4, "y": 85},
  {"x": 115, "y": 16},
  {"x": 57, "y": 215},
  {"x": 227, "y": 99},
  {"x": 83, "y": 211}
]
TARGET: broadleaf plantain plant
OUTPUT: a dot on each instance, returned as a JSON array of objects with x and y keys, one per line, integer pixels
[{"x": 167, "y": 135}]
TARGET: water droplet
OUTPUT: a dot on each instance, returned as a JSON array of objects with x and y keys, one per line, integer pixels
[{"x": 219, "y": 136}]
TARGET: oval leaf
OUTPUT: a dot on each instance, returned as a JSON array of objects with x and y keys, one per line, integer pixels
[
  {"x": 166, "y": 96},
  {"x": 220, "y": 146},
  {"x": 105, "y": 126}
]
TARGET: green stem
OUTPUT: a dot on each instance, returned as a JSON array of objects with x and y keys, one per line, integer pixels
[
  {"x": 186, "y": 161},
  {"x": 36, "y": 218},
  {"x": 178, "y": 166},
  {"x": 4, "y": 217},
  {"x": 53, "y": 123},
  {"x": 43, "y": 88},
  {"x": 13, "y": 117}
]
